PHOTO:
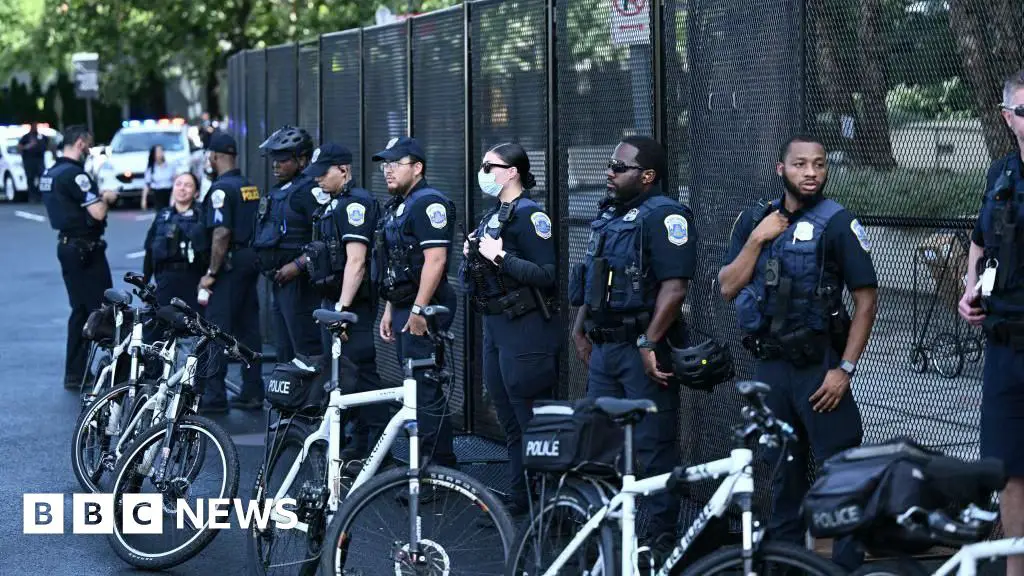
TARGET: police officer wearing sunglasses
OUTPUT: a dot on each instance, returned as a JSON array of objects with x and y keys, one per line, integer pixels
[
  {"x": 630, "y": 290},
  {"x": 994, "y": 299},
  {"x": 509, "y": 274}
]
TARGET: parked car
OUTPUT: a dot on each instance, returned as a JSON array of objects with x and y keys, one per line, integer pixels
[
  {"x": 124, "y": 166},
  {"x": 12, "y": 171}
]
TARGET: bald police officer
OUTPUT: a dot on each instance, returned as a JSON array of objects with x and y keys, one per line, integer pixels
[
  {"x": 411, "y": 258},
  {"x": 79, "y": 213},
  {"x": 785, "y": 271}
]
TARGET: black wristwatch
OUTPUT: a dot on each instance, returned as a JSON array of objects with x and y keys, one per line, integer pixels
[
  {"x": 499, "y": 260},
  {"x": 849, "y": 367},
  {"x": 643, "y": 343},
  {"x": 416, "y": 309}
]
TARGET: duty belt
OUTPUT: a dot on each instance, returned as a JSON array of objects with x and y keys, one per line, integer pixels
[
  {"x": 88, "y": 242},
  {"x": 627, "y": 330},
  {"x": 173, "y": 266},
  {"x": 1005, "y": 332},
  {"x": 513, "y": 305},
  {"x": 801, "y": 347}
]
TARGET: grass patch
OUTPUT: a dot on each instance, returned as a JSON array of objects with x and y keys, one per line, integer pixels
[{"x": 907, "y": 193}]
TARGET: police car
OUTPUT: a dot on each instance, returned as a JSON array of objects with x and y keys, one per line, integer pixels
[
  {"x": 12, "y": 171},
  {"x": 124, "y": 167}
]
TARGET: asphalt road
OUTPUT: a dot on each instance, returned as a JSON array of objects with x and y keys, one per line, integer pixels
[{"x": 38, "y": 415}]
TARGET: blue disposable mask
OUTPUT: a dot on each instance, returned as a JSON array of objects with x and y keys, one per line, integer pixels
[{"x": 488, "y": 183}]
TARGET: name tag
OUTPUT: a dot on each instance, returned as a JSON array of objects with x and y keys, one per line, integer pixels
[{"x": 250, "y": 193}]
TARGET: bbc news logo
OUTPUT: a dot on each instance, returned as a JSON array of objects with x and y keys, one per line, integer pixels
[{"x": 145, "y": 513}]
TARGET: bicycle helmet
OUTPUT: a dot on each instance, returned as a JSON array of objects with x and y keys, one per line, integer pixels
[
  {"x": 704, "y": 366},
  {"x": 289, "y": 139}
]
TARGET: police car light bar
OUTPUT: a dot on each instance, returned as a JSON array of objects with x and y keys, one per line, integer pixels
[{"x": 150, "y": 122}]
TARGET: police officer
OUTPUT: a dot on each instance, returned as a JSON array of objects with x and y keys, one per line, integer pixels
[
  {"x": 79, "y": 213},
  {"x": 785, "y": 271},
  {"x": 32, "y": 147},
  {"x": 630, "y": 287},
  {"x": 284, "y": 224},
  {"x": 337, "y": 261},
  {"x": 177, "y": 245},
  {"x": 230, "y": 280},
  {"x": 994, "y": 299},
  {"x": 509, "y": 273},
  {"x": 411, "y": 263}
]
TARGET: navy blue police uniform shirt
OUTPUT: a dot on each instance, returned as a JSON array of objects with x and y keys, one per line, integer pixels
[
  {"x": 354, "y": 217},
  {"x": 232, "y": 203},
  {"x": 527, "y": 235},
  {"x": 990, "y": 180},
  {"x": 75, "y": 188},
  {"x": 846, "y": 246},
  {"x": 431, "y": 223},
  {"x": 671, "y": 255},
  {"x": 302, "y": 200}
]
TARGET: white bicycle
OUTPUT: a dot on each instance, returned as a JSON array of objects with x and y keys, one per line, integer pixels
[
  {"x": 404, "y": 520},
  {"x": 587, "y": 510}
]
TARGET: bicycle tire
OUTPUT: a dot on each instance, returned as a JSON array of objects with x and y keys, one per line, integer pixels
[
  {"x": 724, "y": 560},
  {"x": 972, "y": 348},
  {"x": 432, "y": 478},
  {"x": 946, "y": 346},
  {"x": 127, "y": 472},
  {"x": 919, "y": 360},
  {"x": 294, "y": 436},
  {"x": 901, "y": 567},
  {"x": 89, "y": 477},
  {"x": 580, "y": 500}
]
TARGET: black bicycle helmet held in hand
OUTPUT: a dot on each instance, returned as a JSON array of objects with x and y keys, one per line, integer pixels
[
  {"x": 289, "y": 139},
  {"x": 704, "y": 366}
]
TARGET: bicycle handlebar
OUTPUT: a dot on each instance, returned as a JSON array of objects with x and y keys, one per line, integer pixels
[
  {"x": 201, "y": 327},
  {"x": 758, "y": 415}
]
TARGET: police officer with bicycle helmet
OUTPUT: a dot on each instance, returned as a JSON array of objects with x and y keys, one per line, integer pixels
[
  {"x": 284, "y": 225},
  {"x": 994, "y": 299},
  {"x": 785, "y": 271},
  {"x": 630, "y": 290},
  {"x": 338, "y": 264},
  {"x": 411, "y": 271},
  {"x": 509, "y": 274}
]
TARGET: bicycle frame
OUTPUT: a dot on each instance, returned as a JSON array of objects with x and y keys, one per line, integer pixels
[
  {"x": 158, "y": 401},
  {"x": 965, "y": 561},
  {"x": 130, "y": 343},
  {"x": 739, "y": 480}
]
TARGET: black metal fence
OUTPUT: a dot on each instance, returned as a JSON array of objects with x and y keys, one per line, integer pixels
[{"x": 893, "y": 87}]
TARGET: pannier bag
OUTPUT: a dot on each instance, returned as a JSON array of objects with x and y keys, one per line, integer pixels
[
  {"x": 298, "y": 386},
  {"x": 572, "y": 436},
  {"x": 99, "y": 326}
]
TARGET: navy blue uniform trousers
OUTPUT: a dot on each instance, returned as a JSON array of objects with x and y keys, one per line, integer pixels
[
  {"x": 86, "y": 277},
  {"x": 295, "y": 329},
  {"x": 1002, "y": 408}
]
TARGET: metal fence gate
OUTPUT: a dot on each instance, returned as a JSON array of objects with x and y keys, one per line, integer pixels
[{"x": 722, "y": 83}]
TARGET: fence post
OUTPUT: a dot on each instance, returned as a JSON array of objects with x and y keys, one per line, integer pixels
[
  {"x": 364, "y": 174},
  {"x": 319, "y": 89},
  {"x": 658, "y": 44},
  {"x": 469, "y": 142},
  {"x": 553, "y": 200},
  {"x": 408, "y": 76}
]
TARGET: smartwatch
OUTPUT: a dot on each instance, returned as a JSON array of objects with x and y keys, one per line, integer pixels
[
  {"x": 643, "y": 343},
  {"x": 848, "y": 367},
  {"x": 499, "y": 260},
  {"x": 416, "y": 309}
]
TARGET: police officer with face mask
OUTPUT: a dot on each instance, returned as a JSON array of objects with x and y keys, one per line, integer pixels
[
  {"x": 284, "y": 225},
  {"x": 509, "y": 274},
  {"x": 785, "y": 272},
  {"x": 79, "y": 213},
  {"x": 177, "y": 245},
  {"x": 337, "y": 261},
  {"x": 411, "y": 272},
  {"x": 229, "y": 286},
  {"x": 630, "y": 290},
  {"x": 994, "y": 300}
]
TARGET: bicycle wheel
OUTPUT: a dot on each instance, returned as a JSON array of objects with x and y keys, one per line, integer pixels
[
  {"x": 202, "y": 464},
  {"x": 461, "y": 525},
  {"x": 97, "y": 434},
  {"x": 552, "y": 528},
  {"x": 972, "y": 348},
  {"x": 277, "y": 551},
  {"x": 901, "y": 567},
  {"x": 947, "y": 355},
  {"x": 919, "y": 360},
  {"x": 769, "y": 558}
]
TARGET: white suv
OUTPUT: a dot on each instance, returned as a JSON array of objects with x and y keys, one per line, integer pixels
[
  {"x": 12, "y": 172},
  {"x": 125, "y": 166}
]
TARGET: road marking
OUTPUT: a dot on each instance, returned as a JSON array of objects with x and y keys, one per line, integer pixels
[
  {"x": 135, "y": 255},
  {"x": 144, "y": 217},
  {"x": 30, "y": 216}
]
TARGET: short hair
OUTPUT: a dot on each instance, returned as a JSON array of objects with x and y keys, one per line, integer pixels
[
  {"x": 650, "y": 155},
  {"x": 801, "y": 138},
  {"x": 75, "y": 133},
  {"x": 1013, "y": 83}
]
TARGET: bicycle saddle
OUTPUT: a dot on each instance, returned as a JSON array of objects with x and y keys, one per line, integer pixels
[
  {"x": 326, "y": 316},
  {"x": 115, "y": 296},
  {"x": 621, "y": 408}
]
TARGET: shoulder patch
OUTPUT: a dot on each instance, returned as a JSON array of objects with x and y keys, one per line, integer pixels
[
  {"x": 83, "y": 182},
  {"x": 438, "y": 215},
  {"x": 861, "y": 234},
  {"x": 250, "y": 193},
  {"x": 356, "y": 214},
  {"x": 217, "y": 199},
  {"x": 678, "y": 232},
  {"x": 541, "y": 224}
]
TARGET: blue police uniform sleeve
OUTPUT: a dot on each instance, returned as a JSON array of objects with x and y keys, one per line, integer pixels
[
  {"x": 848, "y": 245},
  {"x": 303, "y": 200},
  {"x": 670, "y": 239},
  {"x": 432, "y": 222},
  {"x": 742, "y": 227},
  {"x": 990, "y": 180},
  {"x": 534, "y": 264},
  {"x": 220, "y": 206},
  {"x": 356, "y": 221}
]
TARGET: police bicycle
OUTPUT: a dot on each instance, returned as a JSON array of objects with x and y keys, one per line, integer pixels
[
  {"x": 586, "y": 510},
  {"x": 184, "y": 459},
  {"x": 403, "y": 520}
]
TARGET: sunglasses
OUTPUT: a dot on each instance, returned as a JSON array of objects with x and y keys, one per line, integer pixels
[
  {"x": 487, "y": 167},
  {"x": 620, "y": 167},
  {"x": 1017, "y": 110}
]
